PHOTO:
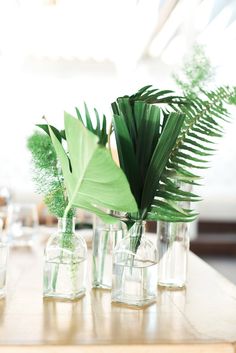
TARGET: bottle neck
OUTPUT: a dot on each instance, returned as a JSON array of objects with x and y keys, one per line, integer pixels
[
  {"x": 66, "y": 225},
  {"x": 138, "y": 229}
]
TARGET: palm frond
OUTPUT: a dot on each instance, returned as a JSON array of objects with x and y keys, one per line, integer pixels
[
  {"x": 99, "y": 130},
  {"x": 156, "y": 96},
  {"x": 145, "y": 136}
]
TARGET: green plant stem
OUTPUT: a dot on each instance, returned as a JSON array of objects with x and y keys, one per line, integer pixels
[
  {"x": 109, "y": 137},
  {"x": 55, "y": 274},
  {"x": 107, "y": 235},
  {"x": 65, "y": 243},
  {"x": 94, "y": 271},
  {"x": 135, "y": 242}
]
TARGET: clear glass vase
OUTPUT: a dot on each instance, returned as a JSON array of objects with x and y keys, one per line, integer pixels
[
  {"x": 105, "y": 238},
  {"x": 22, "y": 224},
  {"x": 3, "y": 268},
  {"x": 135, "y": 269},
  {"x": 173, "y": 248},
  {"x": 65, "y": 263}
]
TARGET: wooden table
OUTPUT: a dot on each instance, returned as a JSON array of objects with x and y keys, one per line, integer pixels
[{"x": 200, "y": 319}]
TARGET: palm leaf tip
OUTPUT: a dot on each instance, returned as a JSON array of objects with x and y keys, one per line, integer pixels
[{"x": 99, "y": 129}]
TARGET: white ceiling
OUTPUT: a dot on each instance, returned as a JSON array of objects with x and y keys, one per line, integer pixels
[{"x": 121, "y": 31}]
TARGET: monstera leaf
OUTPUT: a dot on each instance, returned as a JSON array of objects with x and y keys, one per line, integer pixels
[{"x": 93, "y": 181}]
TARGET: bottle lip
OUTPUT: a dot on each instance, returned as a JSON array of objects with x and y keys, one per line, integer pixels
[
  {"x": 66, "y": 218},
  {"x": 65, "y": 223},
  {"x": 142, "y": 221},
  {"x": 139, "y": 222}
]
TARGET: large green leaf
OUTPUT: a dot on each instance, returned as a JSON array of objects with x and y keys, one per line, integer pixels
[
  {"x": 127, "y": 155},
  {"x": 145, "y": 136},
  {"x": 94, "y": 182},
  {"x": 160, "y": 158},
  {"x": 137, "y": 131}
]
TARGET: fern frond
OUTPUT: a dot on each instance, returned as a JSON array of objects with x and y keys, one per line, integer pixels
[
  {"x": 203, "y": 123},
  {"x": 196, "y": 72}
]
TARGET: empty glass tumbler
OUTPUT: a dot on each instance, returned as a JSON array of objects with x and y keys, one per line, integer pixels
[
  {"x": 22, "y": 224},
  {"x": 105, "y": 238},
  {"x": 173, "y": 248},
  {"x": 65, "y": 263},
  {"x": 3, "y": 268},
  {"x": 135, "y": 269},
  {"x": 5, "y": 198}
]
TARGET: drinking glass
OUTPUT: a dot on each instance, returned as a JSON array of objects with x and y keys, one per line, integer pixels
[
  {"x": 22, "y": 224},
  {"x": 5, "y": 198},
  {"x": 3, "y": 268}
]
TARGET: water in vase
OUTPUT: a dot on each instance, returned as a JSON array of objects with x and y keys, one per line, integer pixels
[
  {"x": 173, "y": 265},
  {"x": 134, "y": 283},
  {"x": 2, "y": 281},
  {"x": 66, "y": 279},
  {"x": 105, "y": 238}
]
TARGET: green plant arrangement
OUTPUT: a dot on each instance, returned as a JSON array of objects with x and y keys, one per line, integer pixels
[
  {"x": 87, "y": 154},
  {"x": 90, "y": 180},
  {"x": 90, "y": 174},
  {"x": 47, "y": 173},
  {"x": 161, "y": 138},
  {"x": 49, "y": 182},
  {"x": 195, "y": 75}
]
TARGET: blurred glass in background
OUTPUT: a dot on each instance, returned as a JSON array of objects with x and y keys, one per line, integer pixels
[
  {"x": 3, "y": 268},
  {"x": 22, "y": 224}
]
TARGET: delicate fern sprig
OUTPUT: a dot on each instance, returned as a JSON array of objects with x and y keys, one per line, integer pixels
[
  {"x": 196, "y": 73},
  {"x": 203, "y": 123},
  {"x": 47, "y": 174}
]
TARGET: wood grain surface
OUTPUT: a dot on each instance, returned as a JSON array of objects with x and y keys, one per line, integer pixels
[{"x": 201, "y": 318}]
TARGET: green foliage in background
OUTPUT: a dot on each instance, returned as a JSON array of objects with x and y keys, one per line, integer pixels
[
  {"x": 93, "y": 181},
  {"x": 161, "y": 139},
  {"x": 196, "y": 72},
  {"x": 47, "y": 175}
]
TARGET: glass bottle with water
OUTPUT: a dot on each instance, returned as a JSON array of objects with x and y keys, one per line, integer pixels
[
  {"x": 3, "y": 268},
  {"x": 105, "y": 238},
  {"x": 135, "y": 269},
  {"x": 173, "y": 247},
  {"x": 65, "y": 265}
]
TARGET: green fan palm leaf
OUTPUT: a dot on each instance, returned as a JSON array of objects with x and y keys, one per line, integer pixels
[{"x": 145, "y": 137}]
